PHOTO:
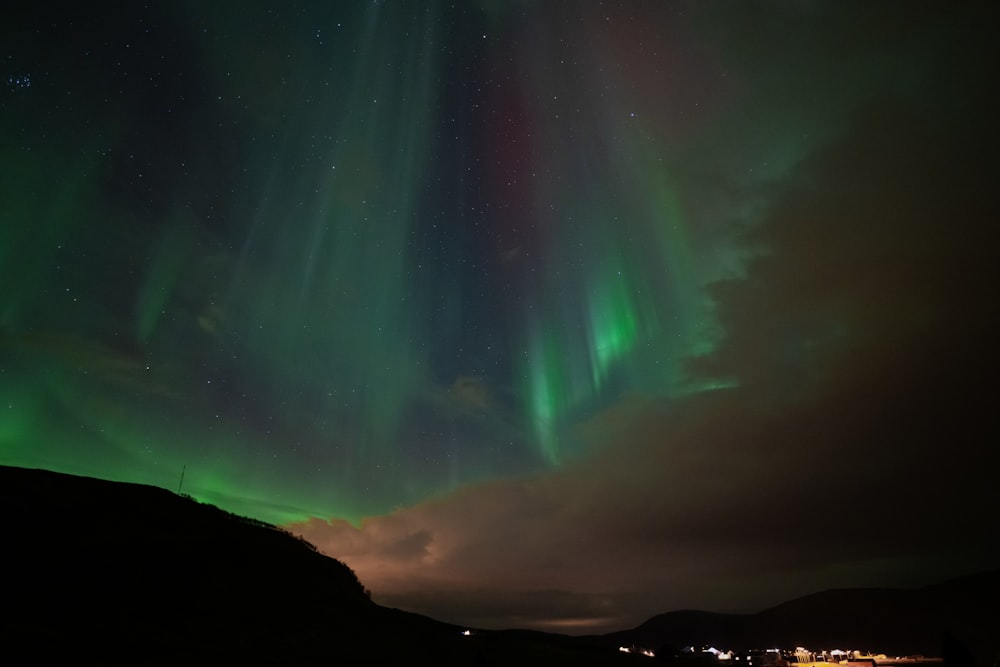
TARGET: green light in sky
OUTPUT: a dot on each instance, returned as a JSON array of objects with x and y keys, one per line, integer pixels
[
  {"x": 163, "y": 272},
  {"x": 268, "y": 294},
  {"x": 546, "y": 391},
  {"x": 613, "y": 322}
]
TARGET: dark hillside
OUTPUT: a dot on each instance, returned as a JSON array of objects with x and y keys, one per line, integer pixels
[
  {"x": 893, "y": 621},
  {"x": 130, "y": 573},
  {"x": 101, "y": 564},
  {"x": 125, "y": 572}
]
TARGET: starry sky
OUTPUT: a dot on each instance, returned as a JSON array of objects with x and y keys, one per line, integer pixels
[{"x": 538, "y": 313}]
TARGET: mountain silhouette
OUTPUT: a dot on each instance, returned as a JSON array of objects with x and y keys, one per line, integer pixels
[
  {"x": 124, "y": 572},
  {"x": 130, "y": 573},
  {"x": 896, "y": 622}
]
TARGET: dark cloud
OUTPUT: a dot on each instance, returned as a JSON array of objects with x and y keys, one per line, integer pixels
[
  {"x": 472, "y": 393},
  {"x": 855, "y": 450}
]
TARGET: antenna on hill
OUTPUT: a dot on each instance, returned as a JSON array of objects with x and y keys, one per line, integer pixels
[{"x": 182, "y": 480}]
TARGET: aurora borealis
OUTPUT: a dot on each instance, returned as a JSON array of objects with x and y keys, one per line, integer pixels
[{"x": 539, "y": 313}]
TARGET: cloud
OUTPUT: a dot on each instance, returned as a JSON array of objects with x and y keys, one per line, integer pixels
[
  {"x": 859, "y": 342},
  {"x": 855, "y": 450},
  {"x": 472, "y": 393}
]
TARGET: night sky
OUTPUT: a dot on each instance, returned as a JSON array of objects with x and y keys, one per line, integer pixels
[{"x": 554, "y": 314}]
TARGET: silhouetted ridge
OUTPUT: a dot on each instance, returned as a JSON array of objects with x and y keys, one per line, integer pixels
[
  {"x": 119, "y": 572},
  {"x": 92, "y": 555},
  {"x": 125, "y": 573},
  {"x": 894, "y": 621}
]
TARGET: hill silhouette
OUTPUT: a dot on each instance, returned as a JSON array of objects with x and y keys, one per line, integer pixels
[
  {"x": 893, "y": 621},
  {"x": 130, "y": 573}
]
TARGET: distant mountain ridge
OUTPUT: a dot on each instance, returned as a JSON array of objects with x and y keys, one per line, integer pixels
[
  {"x": 131, "y": 573},
  {"x": 893, "y": 621}
]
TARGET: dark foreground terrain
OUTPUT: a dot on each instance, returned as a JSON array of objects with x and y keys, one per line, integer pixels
[
  {"x": 958, "y": 621},
  {"x": 129, "y": 573},
  {"x": 125, "y": 573}
]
